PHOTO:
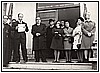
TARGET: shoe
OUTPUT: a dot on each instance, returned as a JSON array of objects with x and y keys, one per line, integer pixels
[
  {"x": 78, "y": 62},
  {"x": 23, "y": 62},
  {"x": 36, "y": 61},
  {"x": 85, "y": 61},
  {"x": 17, "y": 61},
  {"x": 54, "y": 61},
  {"x": 58, "y": 61},
  {"x": 5, "y": 65},
  {"x": 71, "y": 62},
  {"x": 66, "y": 61},
  {"x": 44, "y": 61}
]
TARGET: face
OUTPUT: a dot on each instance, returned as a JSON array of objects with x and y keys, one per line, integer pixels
[
  {"x": 38, "y": 20},
  {"x": 79, "y": 21},
  {"x": 5, "y": 20},
  {"x": 51, "y": 23},
  {"x": 67, "y": 24},
  {"x": 88, "y": 15},
  {"x": 62, "y": 22},
  {"x": 58, "y": 24},
  {"x": 20, "y": 17}
]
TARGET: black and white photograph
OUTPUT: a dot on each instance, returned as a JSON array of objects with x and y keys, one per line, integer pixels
[{"x": 50, "y": 36}]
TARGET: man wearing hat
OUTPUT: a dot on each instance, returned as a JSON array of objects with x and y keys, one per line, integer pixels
[{"x": 6, "y": 41}]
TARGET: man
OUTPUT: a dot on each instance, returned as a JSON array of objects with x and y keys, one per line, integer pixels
[
  {"x": 20, "y": 36},
  {"x": 13, "y": 41},
  {"x": 6, "y": 41},
  {"x": 39, "y": 45},
  {"x": 88, "y": 31}
]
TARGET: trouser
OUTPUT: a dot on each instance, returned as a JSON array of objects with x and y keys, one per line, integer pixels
[
  {"x": 6, "y": 51},
  {"x": 21, "y": 42},
  {"x": 40, "y": 54}
]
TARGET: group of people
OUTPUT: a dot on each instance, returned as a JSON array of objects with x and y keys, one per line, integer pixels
[{"x": 58, "y": 36}]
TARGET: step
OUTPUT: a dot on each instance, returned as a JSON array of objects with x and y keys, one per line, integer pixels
[{"x": 49, "y": 66}]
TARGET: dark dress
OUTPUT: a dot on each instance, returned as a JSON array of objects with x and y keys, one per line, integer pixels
[
  {"x": 57, "y": 41},
  {"x": 49, "y": 36},
  {"x": 6, "y": 44}
]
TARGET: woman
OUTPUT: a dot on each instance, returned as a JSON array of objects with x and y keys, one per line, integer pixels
[
  {"x": 67, "y": 43},
  {"x": 77, "y": 34},
  {"x": 57, "y": 43},
  {"x": 88, "y": 33}
]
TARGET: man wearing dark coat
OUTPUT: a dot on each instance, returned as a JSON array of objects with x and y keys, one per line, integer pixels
[
  {"x": 6, "y": 42},
  {"x": 20, "y": 37},
  {"x": 39, "y": 40}
]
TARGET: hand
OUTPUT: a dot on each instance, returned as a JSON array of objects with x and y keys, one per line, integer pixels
[
  {"x": 16, "y": 27},
  {"x": 89, "y": 34},
  {"x": 37, "y": 34},
  {"x": 59, "y": 34},
  {"x": 24, "y": 27},
  {"x": 56, "y": 32}
]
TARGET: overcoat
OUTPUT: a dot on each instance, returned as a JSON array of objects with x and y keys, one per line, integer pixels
[
  {"x": 89, "y": 26},
  {"x": 6, "y": 44},
  {"x": 39, "y": 42},
  {"x": 57, "y": 41},
  {"x": 49, "y": 36}
]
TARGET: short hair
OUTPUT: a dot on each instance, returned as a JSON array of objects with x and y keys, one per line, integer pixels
[
  {"x": 51, "y": 20},
  {"x": 81, "y": 19},
  {"x": 19, "y": 14}
]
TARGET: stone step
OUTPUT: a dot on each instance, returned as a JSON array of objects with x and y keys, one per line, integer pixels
[{"x": 49, "y": 66}]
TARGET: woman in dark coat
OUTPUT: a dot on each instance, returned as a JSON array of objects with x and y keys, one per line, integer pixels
[
  {"x": 6, "y": 42},
  {"x": 67, "y": 44},
  {"x": 49, "y": 34},
  {"x": 57, "y": 43},
  {"x": 88, "y": 33},
  {"x": 39, "y": 40}
]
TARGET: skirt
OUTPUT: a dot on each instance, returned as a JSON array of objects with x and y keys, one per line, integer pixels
[{"x": 67, "y": 45}]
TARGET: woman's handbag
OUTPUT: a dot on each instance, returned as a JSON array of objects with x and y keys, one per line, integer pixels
[
  {"x": 57, "y": 36},
  {"x": 78, "y": 46},
  {"x": 71, "y": 39}
]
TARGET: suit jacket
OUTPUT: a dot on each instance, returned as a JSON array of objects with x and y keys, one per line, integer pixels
[{"x": 20, "y": 34}]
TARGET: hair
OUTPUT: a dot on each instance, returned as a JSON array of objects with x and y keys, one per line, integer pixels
[
  {"x": 19, "y": 14},
  {"x": 51, "y": 20},
  {"x": 81, "y": 19}
]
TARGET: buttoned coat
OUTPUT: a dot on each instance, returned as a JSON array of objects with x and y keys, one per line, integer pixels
[
  {"x": 39, "y": 42},
  {"x": 89, "y": 26},
  {"x": 67, "y": 35}
]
